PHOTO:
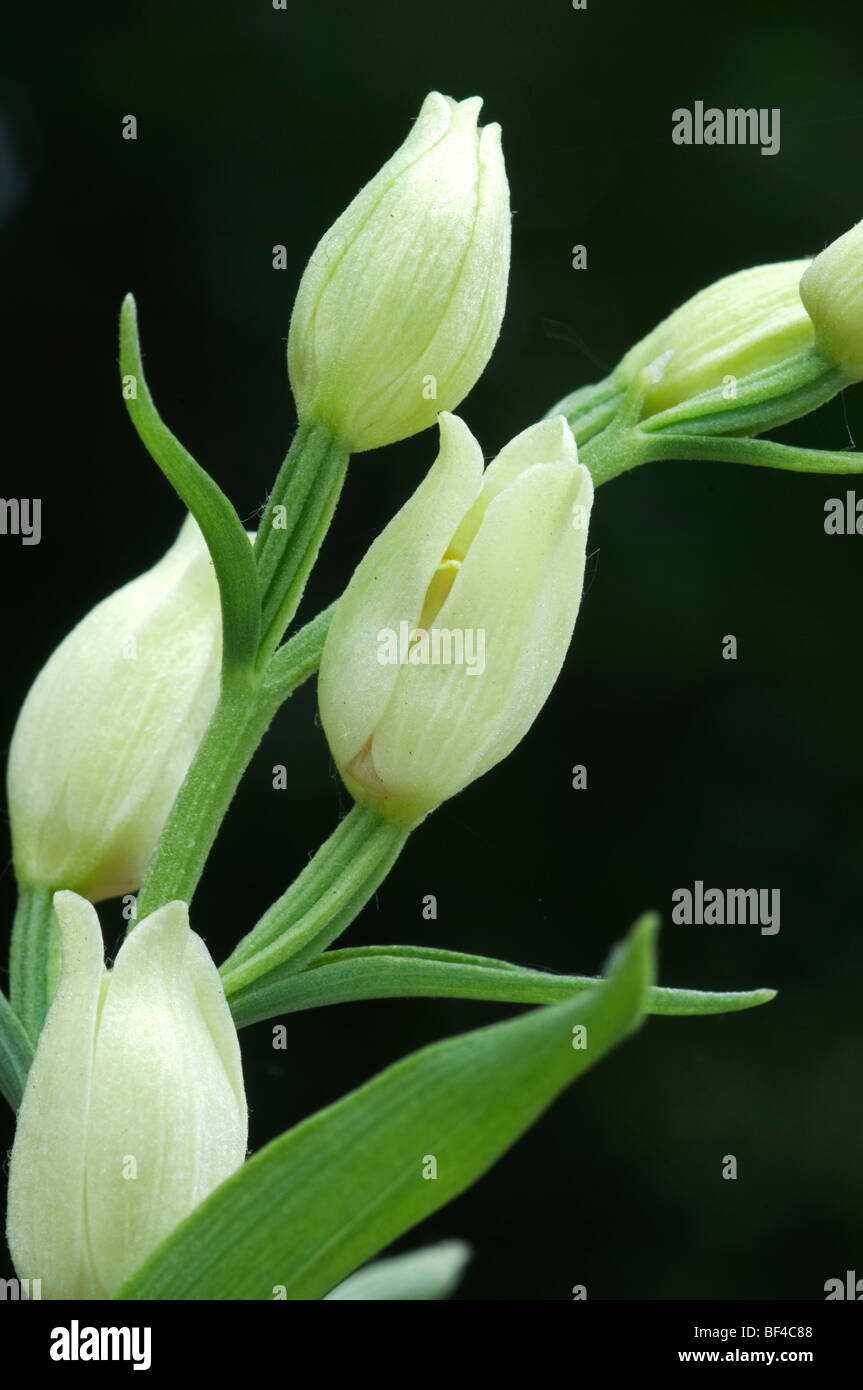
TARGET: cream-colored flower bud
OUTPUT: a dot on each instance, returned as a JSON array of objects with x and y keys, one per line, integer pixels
[
  {"x": 134, "y": 1108},
  {"x": 734, "y": 327},
  {"x": 401, "y": 303},
  {"x": 111, "y": 724},
  {"x": 454, "y": 627},
  {"x": 832, "y": 290}
]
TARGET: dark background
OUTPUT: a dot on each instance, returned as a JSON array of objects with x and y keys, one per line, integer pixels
[{"x": 256, "y": 127}]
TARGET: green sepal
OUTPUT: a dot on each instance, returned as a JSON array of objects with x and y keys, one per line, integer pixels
[{"x": 763, "y": 400}]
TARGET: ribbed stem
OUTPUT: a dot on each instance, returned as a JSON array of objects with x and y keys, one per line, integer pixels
[
  {"x": 296, "y": 519},
  {"x": 321, "y": 903},
  {"x": 589, "y": 409},
  {"x": 16, "y": 1053},
  {"x": 33, "y": 958},
  {"x": 223, "y": 755},
  {"x": 239, "y": 722}
]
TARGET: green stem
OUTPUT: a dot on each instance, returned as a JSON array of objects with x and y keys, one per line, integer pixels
[
  {"x": 589, "y": 409},
  {"x": 613, "y": 451},
  {"x": 321, "y": 903},
  {"x": 33, "y": 958},
  {"x": 298, "y": 659},
  {"x": 16, "y": 1053},
  {"x": 613, "y": 437},
  {"x": 241, "y": 718},
  {"x": 222, "y": 757},
  {"x": 292, "y": 529},
  {"x": 296, "y": 519}
]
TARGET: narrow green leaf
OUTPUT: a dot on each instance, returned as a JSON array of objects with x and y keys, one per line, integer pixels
[
  {"x": 398, "y": 972},
  {"x": 16, "y": 1054},
  {"x": 318, "y": 1202},
  {"x": 222, "y": 529},
  {"x": 431, "y": 1273}
]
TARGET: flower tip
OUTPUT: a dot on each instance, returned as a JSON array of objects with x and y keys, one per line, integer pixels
[
  {"x": 72, "y": 909},
  {"x": 655, "y": 370},
  {"x": 80, "y": 934},
  {"x": 831, "y": 289},
  {"x": 469, "y": 109},
  {"x": 452, "y": 428},
  {"x": 436, "y": 112},
  {"x": 490, "y": 141},
  {"x": 174, "y": 912},
  {"x": 167, "y": 928},
  {"x": 584, "y": 487},
  {"x": 564, "y": 440}
]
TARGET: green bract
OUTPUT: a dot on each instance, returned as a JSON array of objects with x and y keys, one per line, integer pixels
[
  {"x": 111, "y": 724},
  {"x": 832, "y": 290},
  {"x": 401, "y": 303},
  {"x": 453, "y": 629},
  {"x": 134, "y": 1108}
]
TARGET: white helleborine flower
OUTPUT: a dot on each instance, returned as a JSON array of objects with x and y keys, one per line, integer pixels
[
  {"x": 134, "y": 1108},
  {"x": 736, "y": 326},
  {"x": 401, "y": 303},
  {"x": 454, "y": 627},
  {"x": 832, "y": 290},
  {"x": 111, "y": 724}
]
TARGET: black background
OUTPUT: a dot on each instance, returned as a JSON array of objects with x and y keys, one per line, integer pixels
[{"x": 256, "y": 127}]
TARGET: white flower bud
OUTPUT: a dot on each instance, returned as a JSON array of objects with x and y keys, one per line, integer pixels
[
  {"x": 738, "y": 325},
  {"x": 401, "y": 303},
  {"x": 111, "y": 724},
  {"x": 134, "y": 1108},
  {"x": 832, "y": 290},
  {"x": 451, "y": 633}
]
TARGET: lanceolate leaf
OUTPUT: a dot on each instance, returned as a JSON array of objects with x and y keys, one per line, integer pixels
[
  {"x": 390, "y": 972},
  {"x": 222, "y": 529},
  {"x": 317, "y": 1203}
]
